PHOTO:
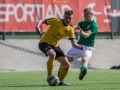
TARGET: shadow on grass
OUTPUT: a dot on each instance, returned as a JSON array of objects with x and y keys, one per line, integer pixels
[{"x": 43, "y": 85}]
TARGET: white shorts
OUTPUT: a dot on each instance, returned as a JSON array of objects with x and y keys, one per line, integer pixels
[{"x": 77, "y": 53}]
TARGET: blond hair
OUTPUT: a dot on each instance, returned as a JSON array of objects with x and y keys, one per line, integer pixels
[{"x": 88, "y": 9}]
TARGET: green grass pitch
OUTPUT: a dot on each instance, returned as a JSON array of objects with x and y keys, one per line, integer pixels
[{"x": 94, "y": 80}]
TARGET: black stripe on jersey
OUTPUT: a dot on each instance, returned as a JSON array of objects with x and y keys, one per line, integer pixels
[
  {"x": 71, "y": 38},
  {"x": 48, "y": 19},
  {"x": 46, "y": 22}
]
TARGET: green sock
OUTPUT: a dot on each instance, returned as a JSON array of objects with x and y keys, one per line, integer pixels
[
  {"x": 59, "y": 71},
  {"x": 84, "y": 66}
]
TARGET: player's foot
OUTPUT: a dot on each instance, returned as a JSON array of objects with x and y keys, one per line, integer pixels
[
  {"x": 82, "y": 74},
  {"x": 64, "y": 84}
]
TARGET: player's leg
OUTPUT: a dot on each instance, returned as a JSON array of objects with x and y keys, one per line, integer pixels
[
  {"x": 60, "y": 56},
  {"x": 59, "y": 70},
  {"x": 63, "y": 70},
  {"x": 70, "y": 59},
  {"x": 50, "y": 62},
  {"x": 47, "y": 49},
  {"x": 83, "y": 68},
  {"x": 86, "y": 55},
  {"x": 72, "y": 54}
]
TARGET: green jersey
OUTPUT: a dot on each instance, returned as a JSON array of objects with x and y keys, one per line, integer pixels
[{"x": 85, "y": 26}]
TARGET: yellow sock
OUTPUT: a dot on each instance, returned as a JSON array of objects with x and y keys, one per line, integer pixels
[
  {"x": 63, "y": 72},
  {"x": 50, "y": 65}
]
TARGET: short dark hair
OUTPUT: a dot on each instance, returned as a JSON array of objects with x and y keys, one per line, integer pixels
[{"x": 69, "y": 12}]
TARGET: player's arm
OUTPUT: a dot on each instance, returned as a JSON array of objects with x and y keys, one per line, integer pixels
[
  {"x": 73, "y": 42},
  {"x": 40, "y": 22},
  {"x": 75, "y": 27},
  {"x": 75, "y": 45},
  {"x": 85, "y": 34},
  {"x": 38, "y": 26}
]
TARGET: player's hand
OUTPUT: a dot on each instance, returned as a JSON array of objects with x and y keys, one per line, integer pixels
[
  {"x": 81, "y": 47},
  {"x": 78, "y": 46},
  {"x": 76, "y": 27},
  {"x": 81, "y": 31},
  {"x": 38, "y": 30}
]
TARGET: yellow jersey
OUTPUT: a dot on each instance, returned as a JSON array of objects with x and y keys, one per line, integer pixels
[{"x": 57, "y": 31}]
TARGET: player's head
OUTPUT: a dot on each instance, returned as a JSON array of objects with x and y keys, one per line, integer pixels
[
  {"x": 88, "y": 13},
  {"x": 68, "y": 15}
]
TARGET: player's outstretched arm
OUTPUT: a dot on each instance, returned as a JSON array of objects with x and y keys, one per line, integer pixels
[
  {"x": 84, "y": 34},
  {"x": 75, "y": 45}
]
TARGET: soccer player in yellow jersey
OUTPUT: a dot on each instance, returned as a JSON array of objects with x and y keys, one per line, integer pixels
[{"x": 59, "y": 28}]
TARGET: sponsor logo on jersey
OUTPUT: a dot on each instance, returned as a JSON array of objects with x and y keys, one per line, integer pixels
[
  {"x": 88, "y": 26},
  {"x": 66, "y": 31},
  {"x": 58, "y": 35},
  {"x": 58, "y": 26},
  {"x": 46, "y": 49}
]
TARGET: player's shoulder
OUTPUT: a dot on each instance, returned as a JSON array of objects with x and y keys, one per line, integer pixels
[
  {"x": 54, "y": 19},
  {"x": 70, "y": 27},
  {"x": 82, "y": 21},
  {"x": 57, "y": 19},
  {"x": 94, "y": 23}
]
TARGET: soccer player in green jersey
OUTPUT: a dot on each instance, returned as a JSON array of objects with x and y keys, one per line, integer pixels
[
  {"x": 88, "y": 29},
  {"x": 48, "y": 44}
]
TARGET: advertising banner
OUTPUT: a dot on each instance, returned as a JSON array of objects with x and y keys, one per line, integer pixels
[{"x": 22, "y": 15}]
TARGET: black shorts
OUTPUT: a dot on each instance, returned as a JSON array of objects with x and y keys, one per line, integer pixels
[{"x": 44, "y": 47}]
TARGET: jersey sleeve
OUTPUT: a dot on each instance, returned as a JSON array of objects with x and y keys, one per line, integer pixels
[
  {"x": 79, "y": 24},
  {"x": 52, "y": 21},
  {"x": 71, "y": 34},
  {"x": 94, "y": 28}
]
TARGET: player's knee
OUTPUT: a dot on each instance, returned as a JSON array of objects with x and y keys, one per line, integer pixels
[
  {"x": 70, "y": 59},
  {"x": 84, "y": 60},
  {"x": 52, "y": 54}
]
